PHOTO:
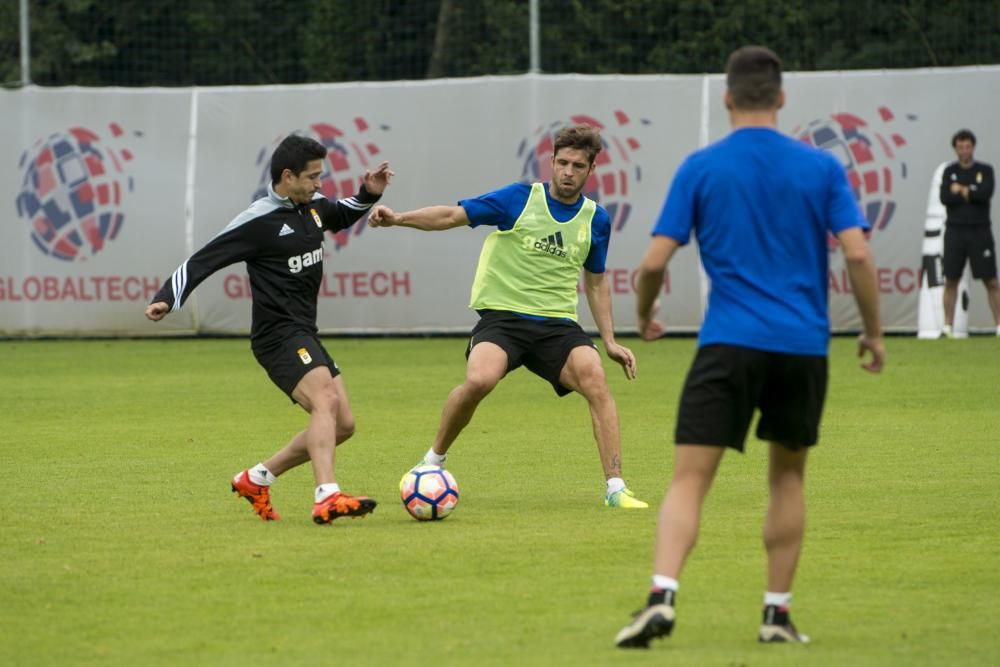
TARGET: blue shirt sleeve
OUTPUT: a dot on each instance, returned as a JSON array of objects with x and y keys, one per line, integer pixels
[
  {"x": 600, "y": 234},
  {"x": 500, "y": 208},
  {"x": 842, "y": 210},
  {"x": 680, "y": 208}
]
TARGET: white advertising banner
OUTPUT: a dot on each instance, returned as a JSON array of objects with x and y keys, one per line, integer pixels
[
  {"x": 107, "y": 191},
  {"x": 93, "y": 196}
]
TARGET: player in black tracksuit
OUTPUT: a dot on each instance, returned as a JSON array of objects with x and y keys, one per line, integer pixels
[
  {"x": 966, "y": 190},
  {"x": 280, "y": 237}
]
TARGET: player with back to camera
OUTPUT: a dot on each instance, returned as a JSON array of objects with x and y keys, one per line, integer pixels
[
  {"x": 280, "y": 237},
  {"x": 525, "y": 294},
  {"x": 761, "y": 205},
  {"x": 966, "y": 190}
]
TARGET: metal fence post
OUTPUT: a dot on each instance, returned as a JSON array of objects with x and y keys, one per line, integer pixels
[
  {"x": 534, "y": 66},
  {"x": 25, "y": 45}
]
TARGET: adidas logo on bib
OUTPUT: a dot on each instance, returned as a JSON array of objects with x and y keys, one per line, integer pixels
[{"x": 552, "y": 245}]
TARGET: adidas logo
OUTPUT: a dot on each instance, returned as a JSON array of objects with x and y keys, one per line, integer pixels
[
  {"x": 285, "y": 231},
  {"x": 553, "y": 245}
]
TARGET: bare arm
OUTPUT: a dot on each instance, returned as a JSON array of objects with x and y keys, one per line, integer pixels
[
  {"x": 864, "y": 285},
  {"x": 429, "y": 219},
  {"x": 649, "y": 280},
  {"x": 599, "y": 299}
]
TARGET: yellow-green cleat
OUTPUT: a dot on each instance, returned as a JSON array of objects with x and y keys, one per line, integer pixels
[{"x": 624, "y": 499}]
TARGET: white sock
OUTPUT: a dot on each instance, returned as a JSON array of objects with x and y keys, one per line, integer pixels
[
  {"x": 615, "y": 484},
  {"x": 324, "y": 491},
  {"x": 434, "y": 458},
  {"x": 998, "y": 330},
  {"x": 665, "y": 583},
  {"x": 261, "y": 476},
  {"x": 777, "y": 599}
]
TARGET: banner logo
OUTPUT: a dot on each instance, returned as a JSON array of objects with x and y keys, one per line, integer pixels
[
  {"x": 73, "y": 189},
  {"x": 616, "y": 171},
  {"x": 348, "y": 157},
  {"x": 869, "y": 151}
]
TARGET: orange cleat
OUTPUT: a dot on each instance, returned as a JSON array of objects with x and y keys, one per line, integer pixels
[
  {"x": 259, "y": 496},
  {"x": 341, "y": 504}
]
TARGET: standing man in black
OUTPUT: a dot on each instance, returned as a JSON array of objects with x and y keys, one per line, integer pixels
[
  {"x": 966, "y": 190},
  {"x": 280, "y": 237}
]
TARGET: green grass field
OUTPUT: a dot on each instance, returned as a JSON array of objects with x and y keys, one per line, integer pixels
[{"x": 121, "y": 543}]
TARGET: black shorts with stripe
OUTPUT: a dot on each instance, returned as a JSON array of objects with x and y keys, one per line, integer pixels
[
  {"x": 541, "y": 346},
  {"x": 727, "y": 384},
  {"x": 288, "y": 358}
]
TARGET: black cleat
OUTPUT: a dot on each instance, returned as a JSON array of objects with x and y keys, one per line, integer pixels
[
  {"x": 654, "y": 621},
  {"x": 778, "y": 627}
]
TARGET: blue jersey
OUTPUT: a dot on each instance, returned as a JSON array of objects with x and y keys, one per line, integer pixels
[
  {"x": 761, "y": 205},
  {"x": 501, "y": 208}
]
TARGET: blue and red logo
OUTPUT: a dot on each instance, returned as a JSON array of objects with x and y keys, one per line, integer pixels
[
  {"x": 349, "y": 154},
  {"x": 869, "y": 152},
  {"x": 74, "y": 185},
  {"x": 615, "y": 172}
]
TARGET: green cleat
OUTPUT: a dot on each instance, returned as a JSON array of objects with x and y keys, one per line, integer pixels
[{"x": 624, "y": 499}]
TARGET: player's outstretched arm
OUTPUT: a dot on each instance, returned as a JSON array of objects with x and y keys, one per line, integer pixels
[{"x": 428, "y": 219}]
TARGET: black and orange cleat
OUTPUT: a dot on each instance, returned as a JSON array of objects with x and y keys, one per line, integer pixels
[
  {"x": 340, "y": 504},
  {"x": 259, "y": 496}
]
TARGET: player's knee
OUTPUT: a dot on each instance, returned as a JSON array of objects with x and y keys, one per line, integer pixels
[
  {"x": 478, "y": 385},
  {"x": 325, "y": 400},
  {"x": 592, "y": 382},
  {"x": 345, "y": 428}
]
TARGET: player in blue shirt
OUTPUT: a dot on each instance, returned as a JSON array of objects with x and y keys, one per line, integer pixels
[{"x": 761, "y": 206}]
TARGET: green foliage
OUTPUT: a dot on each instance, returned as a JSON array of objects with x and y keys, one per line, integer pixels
[
  {"x": 122, "y": 544},
  {"x": 211, "y": 42},
  {"x": 10, "y": 53}
]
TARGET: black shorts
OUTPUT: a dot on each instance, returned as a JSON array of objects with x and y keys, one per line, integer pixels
[
  {"x": 541, "y": 346},
  {"x": 289, "y": 358},
  {"x": 727, "y": 383},
  {"x": 973, "y": 243}
]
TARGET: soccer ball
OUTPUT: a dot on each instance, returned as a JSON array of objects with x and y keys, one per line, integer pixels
[{"x": 428, "y": 492}]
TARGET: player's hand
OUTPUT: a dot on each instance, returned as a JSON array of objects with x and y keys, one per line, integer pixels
[
  {"x": 624, "y": 357},
  {"x": 875, "y": 346},
  {"x": 649, "y": 327},
  {"x": 157, "y": 311},
  {"x": 956, "y": 187},
  {"x": 377, "y": 181},
  {"x": 382, "y": 216}
]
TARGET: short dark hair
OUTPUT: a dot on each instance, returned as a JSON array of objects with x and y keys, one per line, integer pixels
[
  {"x": 963, "y": 135},
  {"x": 581, "y": 137},
  {"x": 753, "y": 76},
  {"x": 294, "y": 153}
]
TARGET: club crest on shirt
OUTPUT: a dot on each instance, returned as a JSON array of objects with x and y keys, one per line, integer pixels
[
  {"x": 319, "y": 223},
  {"x": 304, "y": 355}
]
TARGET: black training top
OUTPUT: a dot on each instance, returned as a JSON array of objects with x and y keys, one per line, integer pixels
[
  {"x": 282, "y": 245},
  {"x": 975, "y": 210}
]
